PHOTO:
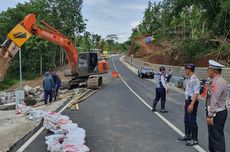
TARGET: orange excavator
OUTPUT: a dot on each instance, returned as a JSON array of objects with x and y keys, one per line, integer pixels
[{"x": 83, "y": 65}]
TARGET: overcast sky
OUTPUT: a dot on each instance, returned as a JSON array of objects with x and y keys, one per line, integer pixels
[{"x": 106, "y": 16}]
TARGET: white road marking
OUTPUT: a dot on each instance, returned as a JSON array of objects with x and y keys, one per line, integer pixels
[
  {"x": 25, "y": 145},
  {"x": 197, "y": 147},
  {"x": 28, "y": 142}
]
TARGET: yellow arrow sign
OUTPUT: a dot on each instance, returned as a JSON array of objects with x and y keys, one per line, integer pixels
[{"x": 19, "y": 35}]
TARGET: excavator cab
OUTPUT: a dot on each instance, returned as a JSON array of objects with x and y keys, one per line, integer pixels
[{"x": 87, "y": 64}]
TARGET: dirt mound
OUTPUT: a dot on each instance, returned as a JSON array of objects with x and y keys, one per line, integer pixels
[
  {"x": 155, "y": 52},
  {"x": 163, "y": 52},
  {"x": 223, "y": 59}
]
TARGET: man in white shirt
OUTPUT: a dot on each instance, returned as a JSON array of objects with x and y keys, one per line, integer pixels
[
  {"x": 192, "y": 90},
  {"x": 161, "y": 89}
]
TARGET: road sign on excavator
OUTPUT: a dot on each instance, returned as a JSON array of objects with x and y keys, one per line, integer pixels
[{"x": 19, "y": 35}]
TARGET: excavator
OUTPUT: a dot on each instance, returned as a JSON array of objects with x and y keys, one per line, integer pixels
[{"x": 85, "y": 66}]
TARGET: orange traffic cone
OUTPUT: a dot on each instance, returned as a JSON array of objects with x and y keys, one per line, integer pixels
[{"x": 115, "y": 74}]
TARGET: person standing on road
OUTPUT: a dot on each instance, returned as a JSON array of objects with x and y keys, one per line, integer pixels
[
  {"x": 161, "y": 89},
  {"x": 48, "y": 85},
  {"x": 169, "y": 75},
  {"x": 192, "y": 88},
  {"x": 216, "y": 110},
  {"x": 57, "y": 83}
]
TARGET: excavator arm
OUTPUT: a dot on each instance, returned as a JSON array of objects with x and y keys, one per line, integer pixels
[{"x": 9, "y": 49}]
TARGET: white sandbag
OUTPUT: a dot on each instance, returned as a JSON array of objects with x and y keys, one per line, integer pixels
[
  {"x": 53, "y": 121},
  {"x": 36, "y": 115},
  {"x": 75, "y": 148},
  {"x": 76, "y": 136},
  {"x": 66, "y": 128},
  {"x": 54, "y": 142},
  {"x": 55, "y": 117}
]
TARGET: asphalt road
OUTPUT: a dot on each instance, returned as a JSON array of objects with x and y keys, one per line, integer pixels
[{"x": 116, "y": 120}]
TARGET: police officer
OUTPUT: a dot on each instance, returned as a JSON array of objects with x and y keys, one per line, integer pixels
[
  {"x": 161, "y": 89},
  {"x": 192, "y": 88},
  {"x": 216, "y": 107}
]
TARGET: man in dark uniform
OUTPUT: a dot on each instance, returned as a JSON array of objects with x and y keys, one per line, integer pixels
[
  {"x": 161, "y": 89},
  {"x": 57, "y": 83},
  {"x": 192, "y": 88},
  {"x": 216, "y": 107}
]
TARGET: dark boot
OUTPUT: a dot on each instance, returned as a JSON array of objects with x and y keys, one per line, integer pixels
[
  {"x": 187, "y": 136},
  {"x": 154, "y": 105},
  {"x": 164, "y": 111},
  {"x": 194, "y": 140},
  {"x": 191, "y": 142},
  {"x": 162, "y": 104},
  {"x": 154, "y": 110}
]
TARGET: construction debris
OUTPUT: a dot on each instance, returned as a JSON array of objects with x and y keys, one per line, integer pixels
[
  {"x": 94, "y": 82},
  {"x": 79, "y": 97},
  {"x": 7, "y": 97},
  {"x": 32, "y": 97},
  {"x": 8, "y": 106}
]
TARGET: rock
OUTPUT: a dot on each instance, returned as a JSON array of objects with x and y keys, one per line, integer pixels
[
  {"x": 7, "y": 97},
  {"x": 30, "y": 96},
  {"x": 30, "y": 101},
  {"x": 63, "y": 91},
  {"x": 27, "y": 88},
  {"x": 38, "y": 88},
  {"x": 39, "y": 97},
  {"x": 9, "y": 106}
]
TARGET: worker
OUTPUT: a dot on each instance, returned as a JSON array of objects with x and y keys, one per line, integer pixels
[
  {"x": 161, "y": 89},
  {"x": 57, "y": 83},
  {"x": 216, "y": 107},
  {"x": 192, "y": 88},
  {"x": 48, "y": 85}
]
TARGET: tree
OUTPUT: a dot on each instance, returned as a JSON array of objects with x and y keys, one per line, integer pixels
[
  {"x": 151, "y": 20},
  {"x": 39, "y": 55},
  {"x": 66, "y": 15}
]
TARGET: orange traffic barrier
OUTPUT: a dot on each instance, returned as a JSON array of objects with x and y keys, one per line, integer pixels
[
  {"x": 115, "y": 74},
  {"x": 204, "y": 93}
]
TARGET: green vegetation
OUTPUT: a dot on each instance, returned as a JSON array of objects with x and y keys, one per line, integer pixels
[
  {"x": 6, "y": 83},
  {"x": 136, "y": 47},
  {"x": 196, "y": 27}
]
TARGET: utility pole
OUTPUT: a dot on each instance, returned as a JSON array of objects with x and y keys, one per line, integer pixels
[{"x": 20, "y": 67}]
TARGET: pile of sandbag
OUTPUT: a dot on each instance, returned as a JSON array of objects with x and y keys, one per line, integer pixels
[{"x": 68, "y": 136}]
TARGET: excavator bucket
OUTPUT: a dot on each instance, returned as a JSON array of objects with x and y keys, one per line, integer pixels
[{"x": 6, "y": 55}]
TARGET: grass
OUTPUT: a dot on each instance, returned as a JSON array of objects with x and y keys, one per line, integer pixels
[{"x": 7, "y": 83}]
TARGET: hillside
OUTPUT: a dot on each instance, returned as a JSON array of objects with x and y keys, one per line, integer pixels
[{"x": 163, "y": 52}]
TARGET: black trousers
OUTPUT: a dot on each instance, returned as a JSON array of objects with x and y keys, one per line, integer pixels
[
  {"x": 160, "y": 94},
  {"x": 48, "y": 93},
  {"x": 216, "y": 132},
  {"x": 191, "y": 128}
]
